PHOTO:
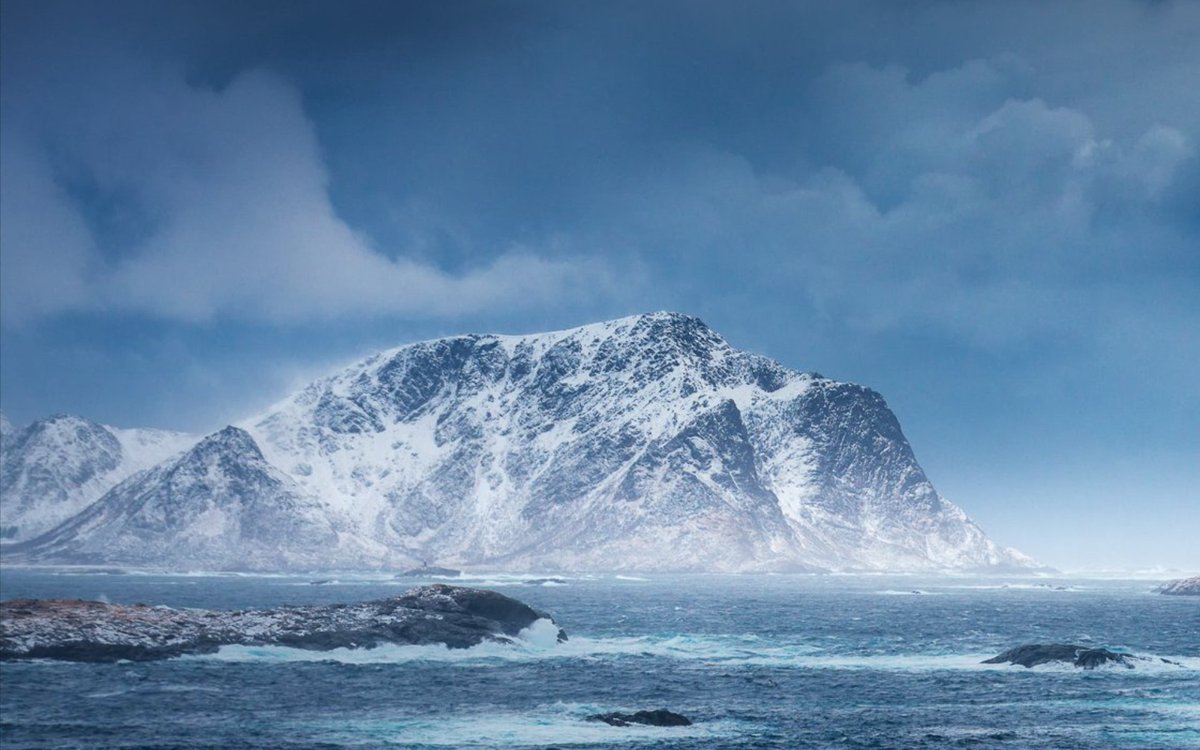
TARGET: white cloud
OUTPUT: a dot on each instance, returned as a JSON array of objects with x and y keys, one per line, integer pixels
[
  {"x": 950, "y": 206},
  {"x": 45, "y": 247},
  {"x": 232, "y": 187}
]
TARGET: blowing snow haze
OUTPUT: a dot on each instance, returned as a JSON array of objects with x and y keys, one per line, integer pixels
[{"x": 985, "y": 212}]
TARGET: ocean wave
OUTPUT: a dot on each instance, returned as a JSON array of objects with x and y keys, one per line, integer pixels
[
  {"x": 538, "y": 642},
  {"x": 556, "y": 724}
]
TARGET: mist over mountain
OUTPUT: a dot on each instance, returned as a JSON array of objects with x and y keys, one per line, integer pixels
[{"x": 644, "y": 443}]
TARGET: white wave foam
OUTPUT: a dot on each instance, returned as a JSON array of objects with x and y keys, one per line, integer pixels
[
  {"x": 1017, "y": 587},
  {"x": 1144, "y": 665},
  {"x": 558, "y": 724},
  {"x": 540, "y": 642}
]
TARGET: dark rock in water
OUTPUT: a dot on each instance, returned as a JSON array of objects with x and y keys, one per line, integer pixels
[
  {"x": 322, "y": 582},
  {"x": 94, "y": 631},
  {"x": 658, "y": 718},
  {"x": 1181, "y": 587},
  {"x": 430, "y": 571},
  {"x": 1081, "y": 656},
  {"x": 544, "y": 581}
]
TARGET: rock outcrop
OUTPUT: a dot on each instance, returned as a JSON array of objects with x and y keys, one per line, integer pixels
[
  {"x": 1032, "y": 655},
  {"x": 99, "y": 632},
  {"x": 659, "y": 717},
  {"x": 1181, "y": 587}
]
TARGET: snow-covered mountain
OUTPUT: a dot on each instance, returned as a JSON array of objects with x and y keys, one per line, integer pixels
[
  {"x": 54, "y": 468},
  {"x": 645, "y": 443},
  {"x": 219, "y": 505}
]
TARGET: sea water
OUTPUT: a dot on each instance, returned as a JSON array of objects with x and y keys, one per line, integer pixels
[{"x": 755, "y": 661}]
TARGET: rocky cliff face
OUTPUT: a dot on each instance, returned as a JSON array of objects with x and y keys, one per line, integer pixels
[{"x": 645, "y": 443}]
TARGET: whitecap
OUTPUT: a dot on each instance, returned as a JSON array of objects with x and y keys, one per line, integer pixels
[{"x": 558, "y": 724}]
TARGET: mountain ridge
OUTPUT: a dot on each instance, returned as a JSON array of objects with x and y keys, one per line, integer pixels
[{"x": 641, "y": 443}]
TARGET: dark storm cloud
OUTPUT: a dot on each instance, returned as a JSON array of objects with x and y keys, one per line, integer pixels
[
  {"x": 942, "y": 146},
  {"x": 226, "y": 187}
]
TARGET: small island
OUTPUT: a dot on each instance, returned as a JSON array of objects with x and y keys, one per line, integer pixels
[
  {"x": 74, "y": 630},
  {"x": 430, "y": 571},
  {"x": 1084, "y": 657},
  {"x": 1181, "y": 587}
]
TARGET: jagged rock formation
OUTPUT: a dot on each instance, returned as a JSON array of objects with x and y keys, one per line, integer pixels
[
  {"x": 54, "y": 468},
  {"x": 94, "y": 631},
  {"x": 1181, "y": 587},
  {"x": 645, "y": 443}
]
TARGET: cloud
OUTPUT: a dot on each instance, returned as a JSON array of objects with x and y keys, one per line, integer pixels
[
  {"x": 949, "y": 205},
  {"x": 231, "y": 198},
  {"x": 45, "y": 246}
]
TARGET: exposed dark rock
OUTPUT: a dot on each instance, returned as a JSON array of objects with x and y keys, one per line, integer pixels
[
  {"x": 1081, "y": 656},
  {"x": 94, "y": 631},
  {"x": 544, "y": 581},
  {"x": 657, "y": 718},
  {"x": 1181, "y": 587},
  {"x": 430, "y": 571}
]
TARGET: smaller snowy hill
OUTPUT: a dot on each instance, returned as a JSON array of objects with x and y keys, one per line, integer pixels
[
  {"x": 54, "y": 468},
  {"x": 218, "y": 506}
]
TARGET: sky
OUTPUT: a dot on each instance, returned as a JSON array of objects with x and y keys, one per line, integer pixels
[{"x": 987, "y": 211}]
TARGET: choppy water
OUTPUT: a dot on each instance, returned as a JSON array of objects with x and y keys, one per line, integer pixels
[{"x": 757, "y": 661}]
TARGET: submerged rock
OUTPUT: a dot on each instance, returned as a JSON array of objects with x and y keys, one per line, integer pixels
[
  {"x": 93, "y": 631},
  {"x": 1032, "y": 655},
  {"x": 657, "y": 718},
  {"x": 1181, "y": 587}
]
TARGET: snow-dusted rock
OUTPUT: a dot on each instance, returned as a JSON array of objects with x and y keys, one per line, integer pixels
[
  {"x": 219, "y": 506},
  {"x": 95, "y": 631},
  {"x": 54, "y": 468},
  {"x": 1181, "y": 587},
  {"x": 641, "y": 443},
  {"x": 644, "y": 443}
]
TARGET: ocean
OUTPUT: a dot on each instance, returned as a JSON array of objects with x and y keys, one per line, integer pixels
[{"x": 756, "y": 661}]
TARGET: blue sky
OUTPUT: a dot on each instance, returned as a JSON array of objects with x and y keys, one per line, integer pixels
[{"x": 989, "y": 212}]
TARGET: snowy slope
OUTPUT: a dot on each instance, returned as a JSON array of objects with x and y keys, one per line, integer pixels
[
  {"x": 218, "y": 506},
  {"x": 53, "y": 468},
  {"x": 645, "y": 443},
  {"x": 641, "y": 443}
]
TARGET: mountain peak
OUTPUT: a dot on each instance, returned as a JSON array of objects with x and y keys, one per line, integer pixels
[
  {"x": 227, "y": 440},
  {"x": 640, "y": 443}
]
